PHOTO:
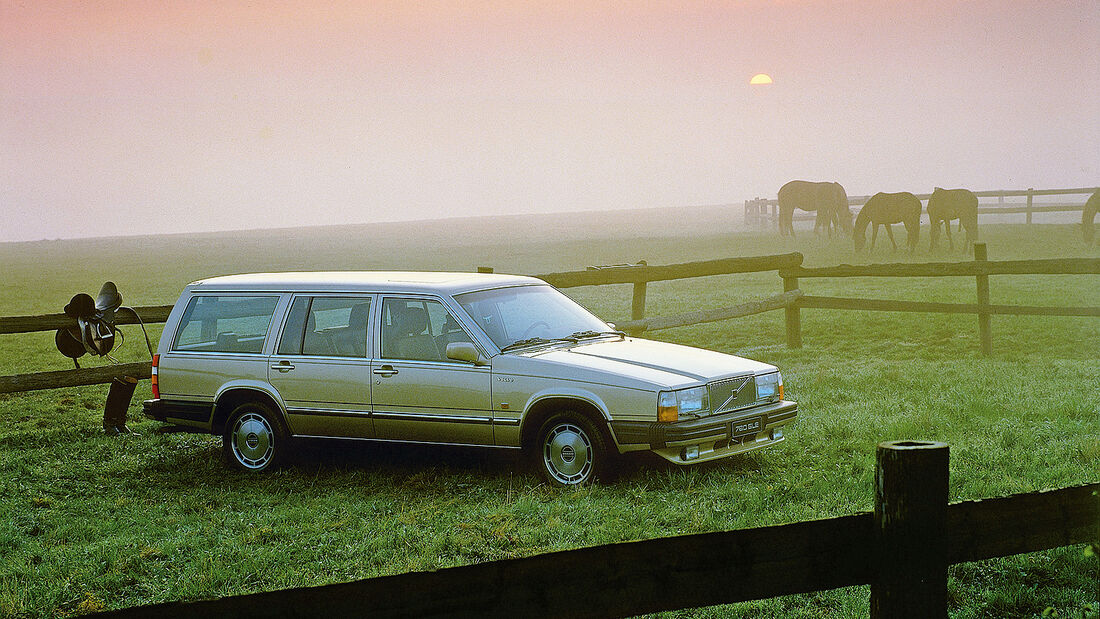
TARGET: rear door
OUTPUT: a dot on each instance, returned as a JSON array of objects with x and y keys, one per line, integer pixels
[{"x": 321, "y": 365}]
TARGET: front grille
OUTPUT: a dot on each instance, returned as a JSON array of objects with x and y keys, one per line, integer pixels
[{"x": 721, "y": 393}]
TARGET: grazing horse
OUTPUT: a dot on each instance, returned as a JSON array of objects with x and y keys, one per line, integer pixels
[
  {"x": 886, "y": 209},
  {"x": 828, "y": 200},
  {"x": 947, "y": 204},
  {"x": 1088, "y": 228}
]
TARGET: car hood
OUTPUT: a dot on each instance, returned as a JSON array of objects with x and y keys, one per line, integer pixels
[{"x": 670, "y": 365}]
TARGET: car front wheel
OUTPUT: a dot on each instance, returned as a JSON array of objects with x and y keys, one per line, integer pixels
[
  {"x": 254, "y": 439},
  {"x": 571, "y": 451}
]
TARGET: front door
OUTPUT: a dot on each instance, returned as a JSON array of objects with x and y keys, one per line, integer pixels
[
  {"x": 419, "y": 394},
  {"x": 322, "y": 366}
]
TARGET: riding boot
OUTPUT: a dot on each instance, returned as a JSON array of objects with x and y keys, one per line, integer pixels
[{"x": 118, "y": 400}]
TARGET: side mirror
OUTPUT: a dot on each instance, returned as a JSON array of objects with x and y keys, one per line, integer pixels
[{"x": 464, "y": 351}]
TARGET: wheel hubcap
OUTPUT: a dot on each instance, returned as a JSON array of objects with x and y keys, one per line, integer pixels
[
  {"x": 253, "y": 441},
  {"x": 567, "y": 454}
]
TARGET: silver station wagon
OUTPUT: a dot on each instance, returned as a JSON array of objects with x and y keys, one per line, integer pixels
[{"x": 449, "y": 358}]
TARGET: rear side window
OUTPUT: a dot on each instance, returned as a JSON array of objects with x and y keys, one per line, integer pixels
[
  {"x": 225, "y": 324},
  {"x": 327, "y": 327}
]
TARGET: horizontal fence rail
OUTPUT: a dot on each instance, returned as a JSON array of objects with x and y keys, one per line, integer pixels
[
  {"x": 988, "y": 193},
  {"x": 642, "y": 273},
  {"x": 884, "y": 305},
  {"x": 49, "y": 322},
  {"x": 749, "y": 308},
  {"x": 633, "y": 578},
  {"x": 1052, "y": 266},
  {"x": 73, "y": 378}
]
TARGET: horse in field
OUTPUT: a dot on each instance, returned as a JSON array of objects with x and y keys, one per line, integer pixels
[
  {"x": 947, "y": 204},
  {"x": 885, "y": 209},
  {"x": 828, "y": 200},
  {"x": 1088, "y": 228}
]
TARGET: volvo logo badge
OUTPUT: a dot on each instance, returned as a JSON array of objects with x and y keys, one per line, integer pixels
[
  {"x": 730, "y": 400},
  {"x": 568, "y": 454}
]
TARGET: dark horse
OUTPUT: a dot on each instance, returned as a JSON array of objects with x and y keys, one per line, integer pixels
[
  {"x": 1088, "y": 228},
  {"x": 828, "y": 200},
  {"x": 947, "y": 204},
  {"x": 886, "y": 209}
]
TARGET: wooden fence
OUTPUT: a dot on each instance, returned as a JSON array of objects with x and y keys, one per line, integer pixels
[
  {"x": 761, "y": 212},
  {"x": 792, "y": 300},
  {"x": 980, "y": 269},
  {"x": 902, "y": 549}
]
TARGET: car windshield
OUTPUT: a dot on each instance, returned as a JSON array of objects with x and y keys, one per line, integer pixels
[{"x": 512, "y": 317}]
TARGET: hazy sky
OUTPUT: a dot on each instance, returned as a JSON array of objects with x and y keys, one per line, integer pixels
[{"x": 148, "y": 117}]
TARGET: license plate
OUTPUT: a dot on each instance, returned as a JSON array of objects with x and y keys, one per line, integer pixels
[{"x": 744, "y": 428}]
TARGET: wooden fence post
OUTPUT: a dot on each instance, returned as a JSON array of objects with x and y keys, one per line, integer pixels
[
  {"x": 1029, "y": 190},
  {"x": 909, "y": 574},
  {"x": 637, "y": 304},
  {"x": 985, "y": 331},
  {"x": 794, "y": 316}
]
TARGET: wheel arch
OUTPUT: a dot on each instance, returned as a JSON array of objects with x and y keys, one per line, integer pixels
[
  {"x": 232, "y": 397},
  {"x": 543, "y": 408}
]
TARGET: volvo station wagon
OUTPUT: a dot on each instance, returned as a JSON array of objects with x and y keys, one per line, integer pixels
[{"x": 488, "y": 360}]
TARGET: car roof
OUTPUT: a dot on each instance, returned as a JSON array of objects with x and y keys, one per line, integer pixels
[{"x": 362, "y": 281}]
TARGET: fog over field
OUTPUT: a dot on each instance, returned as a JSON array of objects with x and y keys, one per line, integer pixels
[{"x": 151, "y": 117}]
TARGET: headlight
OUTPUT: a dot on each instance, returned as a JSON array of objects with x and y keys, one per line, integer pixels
[
  {"x": 691, "y": 401},
  {"x": 769, "y": 387}
]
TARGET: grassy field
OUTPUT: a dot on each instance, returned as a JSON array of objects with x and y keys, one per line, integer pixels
[{"x": 89, "y": 522}]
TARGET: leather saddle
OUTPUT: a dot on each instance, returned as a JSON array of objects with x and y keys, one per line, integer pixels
[{"x": 95, "y": 331}]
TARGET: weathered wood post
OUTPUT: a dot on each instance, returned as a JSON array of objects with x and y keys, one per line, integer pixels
[
  {"x": 909, "y": 578},
  {"x": 1029, "y": 190},
  {"x": 794, "y": 316},
  {"x": 985, "y": 331},
  {"x": 792, "y": 312},
  {"x": 637, "y": 304}
]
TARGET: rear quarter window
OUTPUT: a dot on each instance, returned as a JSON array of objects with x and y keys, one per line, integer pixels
[{"x": 234, "y": 324}]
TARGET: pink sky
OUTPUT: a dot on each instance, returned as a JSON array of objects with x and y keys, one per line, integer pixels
[{"x": 152, "y": 117}]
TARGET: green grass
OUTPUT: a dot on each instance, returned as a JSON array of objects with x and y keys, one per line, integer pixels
[{"x": 89, "y": 522}]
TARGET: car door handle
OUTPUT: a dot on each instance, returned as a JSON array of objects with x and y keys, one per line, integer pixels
[
  {"x": 385, "y": 370},
  {"x": 283, "y": 366}
]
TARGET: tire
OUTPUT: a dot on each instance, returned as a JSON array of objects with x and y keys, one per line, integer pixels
[
  {"x": 254, "y": 439},
  {"x": 570, "y": 450}
]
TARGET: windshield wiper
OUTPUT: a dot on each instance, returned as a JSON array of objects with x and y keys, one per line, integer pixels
[
  {"x": 591, "y": 333},
  {"x": 531, "y": 341},
  {"x": 572, "y": 338}
]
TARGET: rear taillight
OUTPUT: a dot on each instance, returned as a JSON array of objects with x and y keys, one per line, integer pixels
[{"x": 153, "y": 377}]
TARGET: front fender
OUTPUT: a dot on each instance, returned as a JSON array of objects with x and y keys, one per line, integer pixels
[{"x": 571, "y": 393}]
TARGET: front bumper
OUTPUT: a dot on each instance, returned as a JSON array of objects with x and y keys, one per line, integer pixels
[{"x": 714, "y": 436}]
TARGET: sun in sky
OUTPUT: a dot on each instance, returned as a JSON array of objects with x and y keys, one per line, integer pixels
[{"x": 760, "y": 79}]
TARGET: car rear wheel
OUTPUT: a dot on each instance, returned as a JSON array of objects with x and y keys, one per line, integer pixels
[
  {"x": 571, "y": 451},
  {"x": 254, "y": 439}
]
